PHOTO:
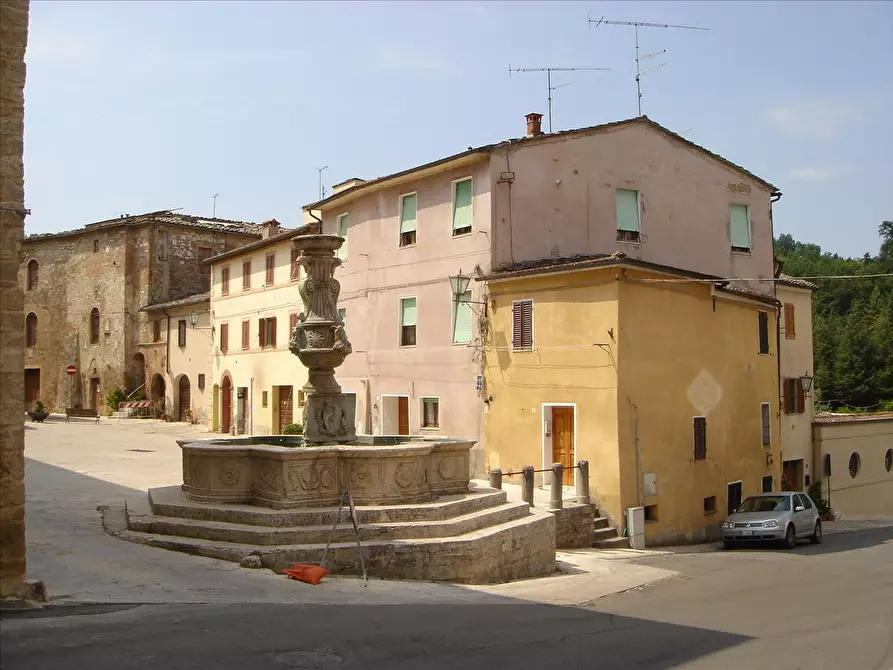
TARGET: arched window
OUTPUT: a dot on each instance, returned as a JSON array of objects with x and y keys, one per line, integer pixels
[
  {"x": 94, "y": 325},
  {"x": 31, "y": 330},
  {"x": 33, "y": 267}
]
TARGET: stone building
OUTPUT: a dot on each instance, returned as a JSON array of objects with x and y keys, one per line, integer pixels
[
  {"x": 13, "y": 38},
  {"x": 83, "y": 290}
]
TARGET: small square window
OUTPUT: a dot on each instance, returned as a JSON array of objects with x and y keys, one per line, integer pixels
[
  {"x": 650, "y": 513},
  {"x": 95, "y": 246},
  {"x": 430, "y": 413},
  {"x": 767, "y": 484},
  {"x": 710, "y": 505},
  {"x": 700, "y": 438},
  {"x": 201, "y": 381}
]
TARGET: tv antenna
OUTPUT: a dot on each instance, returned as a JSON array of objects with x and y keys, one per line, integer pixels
[
  {"x": 639, "y": 59},
  {"x": 322, "y": 188},
  {"x": 549, "y": 87}
]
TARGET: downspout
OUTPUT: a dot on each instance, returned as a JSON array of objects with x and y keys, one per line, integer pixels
[
  {"x": 508, "y": 168},
  {"x": 250, "y": 407},
  {"x": 775, "y": 197},
  {"x": 167, "y": 344}
]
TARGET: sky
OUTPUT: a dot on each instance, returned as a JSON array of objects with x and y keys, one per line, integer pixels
[{"x": 133, "y": 107}]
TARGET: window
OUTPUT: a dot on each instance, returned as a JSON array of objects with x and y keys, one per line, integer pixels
[
  {"x": 292, "y": 322},
  {"x": 201, "y": 381},
  {"x": 430, "y": 413},
  {"x": 739, "y": 228},
  {"x": 224, "y": 337},
  {"x": 271, "y": 264},
  {"x": 224, "y": 281},
  {"x": 94, "y": 326},
  {"x": 710, "y": 505},
  {"x": 628, "y": 220},
  {"x": 342, "y": 314},
  {"x": 807, "y": 503},
  {"x": 766, "y": 417},
  {"x": 790, "y": 326},
  {"x": 462, "y": 318},
  {"x": 522, "y": 325},
  {"x": 408, "y": 223},
  {"x": 342, "y": 232},
  {"x": 407, "y": 322},
  {"x": 181, "y": 333},
  {"x": 650, "y": 513},
  {"x": 763, "y": 321},
  {"x": 855, "y": 464},
  {"x": 33, "y": 267},
  {"x": 95, "y": 246},
  {"x": 700, "y": 437},
  {"x": 246, "y": 275},
  {"x": 31, "y": 330},
  {"x": 156, "y": 330},
  {"x": 264, "y": 400},
  {"x": 462, "y": 207},
  {"x": 295, "y": 267},
  {"x": 246, "y": 334},
  {"x": 203, "y": 253},
  {"x": 768, "y": 484},
  {"x": 794, "y": 397},
  {"x": 266, "y": 332},
  {"x": 888, "y": 460}
]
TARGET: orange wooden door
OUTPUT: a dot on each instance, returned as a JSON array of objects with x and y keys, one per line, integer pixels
[
  {"x": 403, "y": 415},
  {"x": 563, "y": 441},
  {"x": 226, "y": 405},
  {"x": 286, "y": 408}
]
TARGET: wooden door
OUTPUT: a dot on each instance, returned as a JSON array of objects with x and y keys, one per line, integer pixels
[
  {"x": 242, "y": 414},
  {"x": 32, "y": 387},
  {"x": 734, "y": 501},
  {"x": 402, "y": 415},
  {"x": 226, "y": 405},
  {"x": 185, "y": 397},
  {"x": 563, "y": 441},
  {"x": 95, "y": 399},
  {"x": 286, "y": 407}
]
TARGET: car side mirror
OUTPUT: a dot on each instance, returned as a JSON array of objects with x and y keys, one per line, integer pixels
[{"x": 799, "y": 508}]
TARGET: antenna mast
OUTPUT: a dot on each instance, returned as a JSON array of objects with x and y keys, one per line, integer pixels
[
  {"x": 549, "y": 87},
  {"x": 639, "y": 59},
  {"x": 322, "y": 188}
]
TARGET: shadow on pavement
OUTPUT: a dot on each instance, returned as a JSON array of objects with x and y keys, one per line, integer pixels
[
  {"x": 503, "y": 633},
  {"x": 832, "y": 543}
]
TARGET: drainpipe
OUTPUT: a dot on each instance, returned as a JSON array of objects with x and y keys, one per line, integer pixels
[
  {"x": 250, "y": 407},
  {"x": 167, "y": 343},
  {"x": 774, "y": 197},
  {"x": 508, "y": 168}
]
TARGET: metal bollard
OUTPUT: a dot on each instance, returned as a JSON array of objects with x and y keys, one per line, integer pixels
[
  {"x": 495, "y": 478},
  {"x": 527, "y": 484},
  {"x": 583, "y": 483},
  {"x": 557, "y": 483}
]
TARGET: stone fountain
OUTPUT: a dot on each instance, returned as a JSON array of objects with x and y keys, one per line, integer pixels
[{"x": 274, "y": 497}]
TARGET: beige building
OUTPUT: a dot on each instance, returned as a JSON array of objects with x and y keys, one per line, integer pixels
[
  {"x": 183, "y": 328},
  {"x": 856, "y": 456},
  {"x": 796, "y": 372},
  {"x": 256, "y": 380}
]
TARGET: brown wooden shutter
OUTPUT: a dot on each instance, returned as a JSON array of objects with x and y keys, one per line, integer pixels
[
  {"x": 528, "y": 324},
  {"x": 272, "y": 323},
  {"x": 261, "y": 335},
  {"x": 292, "y": 322},
  {"x": 517, "y": 324},
  {"x": 790, "y": 326},
  {"x": 224, "y": 281},
  {"x": 224, "y": 337},
  {"x": 246, "y": 334},
  {"x": 788, "y": 397},
  {"x": 246, "y": 275},
  {"x": 270, "y": 264}
]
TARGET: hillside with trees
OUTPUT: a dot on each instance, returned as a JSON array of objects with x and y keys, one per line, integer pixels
[{"x": 852, "y": 322}]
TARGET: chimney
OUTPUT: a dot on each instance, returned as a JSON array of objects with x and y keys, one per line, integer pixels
[
  {"x": 269, "y": 228},
  {"x": 534, "y": 124}
]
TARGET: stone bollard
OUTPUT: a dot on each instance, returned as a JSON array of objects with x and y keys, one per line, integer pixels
[
  {"x": 495, "y": 478},
  {"x": 583, "y": 483},
  {"x": 527, "y": 484},
  {"x": 557, "y": 483}
]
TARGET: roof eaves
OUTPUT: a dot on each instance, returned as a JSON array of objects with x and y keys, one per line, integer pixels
[
  {"x": 193, "y": 299},
  {"x": 260, "y": 244}
]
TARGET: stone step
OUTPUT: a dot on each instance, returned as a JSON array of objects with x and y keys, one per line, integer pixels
[
  {"x": 613, "y": 543},
  {"x": 320, "y": 534},
  {"x": 518, "y": 549},
  {"x": 600, "y": 522},
  {"x": 170, "y": 501}
]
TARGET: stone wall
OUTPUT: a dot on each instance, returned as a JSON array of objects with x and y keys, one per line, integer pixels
[
  {"x": 573, "y": 526},
  {"x": 13, "y": 38}
]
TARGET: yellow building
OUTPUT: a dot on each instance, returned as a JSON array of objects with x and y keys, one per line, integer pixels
[
  {"x": 664, "y": 380},
  {"x": 254, "y": 306}
]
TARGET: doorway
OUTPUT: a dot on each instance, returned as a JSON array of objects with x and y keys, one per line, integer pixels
[
  {"x": 241, "y": 410},
  {"x": 159, "y": 388},
  {"x": 734, "y": 497},
  {"x": 184, "y": 402},
  {"x": 32, "y": 387},
  {"x": 559, "y": 439},
  {"x": 95, "y": 394},
  {"x": 792, "y": 475},
  {"x": 395, "y": 415},
  {"x": 286, "y": 407},
  {"x": 226, "y": 405}
]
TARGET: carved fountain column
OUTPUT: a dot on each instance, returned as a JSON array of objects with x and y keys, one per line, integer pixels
[{"x": 320, "y": 342}]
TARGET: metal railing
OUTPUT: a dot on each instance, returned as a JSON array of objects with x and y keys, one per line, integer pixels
[{"x": 556, "y": 500}]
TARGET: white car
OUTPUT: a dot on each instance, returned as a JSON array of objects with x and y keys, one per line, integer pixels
[{"x": 785, "y": 517}]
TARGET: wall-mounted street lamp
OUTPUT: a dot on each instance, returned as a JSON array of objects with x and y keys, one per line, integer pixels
[
  {"x": 193, "y": 319},
  {"x": 459, "y": 285},
  {"x": 806, "y": 383}
]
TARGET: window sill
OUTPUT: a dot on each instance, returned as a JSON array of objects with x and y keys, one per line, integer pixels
[
  {"x": 522, "y": 351},
  {"x": 431, "y": 428},
  {"x": 741, "y": 251},
  {"x": 460, "y": 344},
  {"x": 407, "y": 246},
  {"x": 467, "y": 234},
  {"x": 710, "y": 513},
  {"x": 407, "y": 346},
  {"x": 635, "y": 243}
]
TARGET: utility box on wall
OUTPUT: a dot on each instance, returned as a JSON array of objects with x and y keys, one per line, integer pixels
[{"x": 635, "y": 523}]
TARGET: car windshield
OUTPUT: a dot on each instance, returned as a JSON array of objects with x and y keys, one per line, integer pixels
[{"x": 766, "y": 504}]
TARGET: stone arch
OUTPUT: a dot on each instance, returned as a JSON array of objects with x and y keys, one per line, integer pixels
[
  {"x": 33, "y": 271},
  {"x": 94, "y": 325},
  {"x": 157, "y": 395},
  {"x": 226, "y": 403},
  {"x": 31, "y": 330},
  {"x": 182, "y": 393}
]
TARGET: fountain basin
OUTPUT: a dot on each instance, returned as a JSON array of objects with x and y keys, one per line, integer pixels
[{"x": 263, "y": 471}]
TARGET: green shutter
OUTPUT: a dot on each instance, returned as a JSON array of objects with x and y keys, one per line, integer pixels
[
  {"x": 408, "y": 213},
  {"x": 342, "y": 232},
  {"x": 462, "y": 318},
  {"x": 462, "y": 205},
  {"x": 739, "y": 226},
  {"x": 408, "y": 316},
  {"x": 627, "y": 210}
]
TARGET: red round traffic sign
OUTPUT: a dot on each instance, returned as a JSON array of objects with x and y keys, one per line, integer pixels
[{"x": 71, "y": 370}]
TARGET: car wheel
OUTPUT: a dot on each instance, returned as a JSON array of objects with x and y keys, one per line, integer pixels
[
  {"x": 728, "y": 544},
  {"x": 790, "y": 537},
  {"x": 816, "y": 537}
]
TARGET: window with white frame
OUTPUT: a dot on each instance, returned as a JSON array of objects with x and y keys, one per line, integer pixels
[
  {"x": 462, "y": 206},
  {"x": 408, "y": 219},
  {"x": 407, "y": 322},
  {"x": 342, "y": 232},
  {"x": 629, "y": 223},
  {"x": 462, "y": 318},
  {"x": 522, "y": 325},
  {"x": 739, "y": 227},
  {"x": 430, "y": 412}
]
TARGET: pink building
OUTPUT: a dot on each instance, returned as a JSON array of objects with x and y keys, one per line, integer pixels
[{"x": 632, "y": 186}]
